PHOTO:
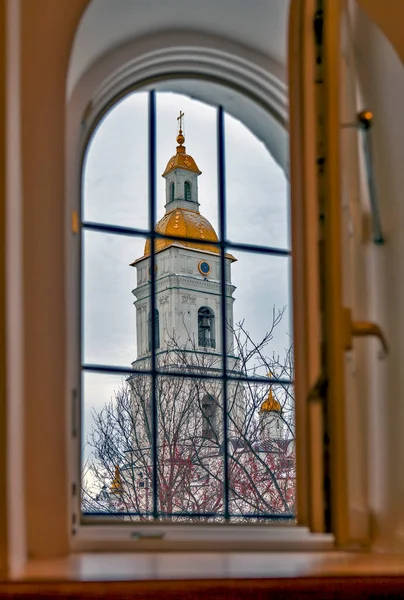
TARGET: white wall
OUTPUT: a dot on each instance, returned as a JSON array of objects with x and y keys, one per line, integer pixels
[
  {"x": 181, "y": 291},
  {"x": 40, "y": 37},
  {"x": 380, "y": 79}
]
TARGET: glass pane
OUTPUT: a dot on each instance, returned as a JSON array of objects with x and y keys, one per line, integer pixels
[
  {"x": 115, "y": 173},
  {"x": 262, "y": 309},
  {"x": 261, "y": 439},
  {"x": 109, "y": 314},
  {"x": 190, "y": 446},
  {"x": 256, "y": 190},
  {"x": 262, "y": 477},
  {"x": 199, "y": 129},
  {"x": 115, "y": 479}
]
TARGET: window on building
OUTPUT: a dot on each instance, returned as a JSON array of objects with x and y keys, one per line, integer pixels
[
  {"x": 206, "y": 328},
  {"x": 187, "y": 190},
  {"x": 156, "y": 328},
  {"x": 172, "y": 192},
  {"x": 209, "y": 418}
]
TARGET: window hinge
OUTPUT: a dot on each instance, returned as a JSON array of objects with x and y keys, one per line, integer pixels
[
  {"x": 74, "y": 520},
  {"x": 75, "y": 222},
  {"x": 319, "y": 389},
  {"x": 318, "y": 25}
]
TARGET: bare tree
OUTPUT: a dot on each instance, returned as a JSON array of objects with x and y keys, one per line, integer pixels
[{"x": 191, "y": 446}]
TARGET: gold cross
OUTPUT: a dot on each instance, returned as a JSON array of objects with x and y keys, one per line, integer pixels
[{"x": 180, "y": 119}]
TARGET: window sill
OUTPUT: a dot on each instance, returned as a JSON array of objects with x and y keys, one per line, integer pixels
[
  {"x": 198, "y": 538},
  {"x": 205, "y": 566}
]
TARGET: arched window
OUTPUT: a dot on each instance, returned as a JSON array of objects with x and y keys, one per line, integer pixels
[
  {"x": 206, "y": 327},
  {"x": 187, "y": 190},
  {"x": 209, "y": 417},
  {"x": 156, "y": 330},
  {"x": 169, "y": 383}
]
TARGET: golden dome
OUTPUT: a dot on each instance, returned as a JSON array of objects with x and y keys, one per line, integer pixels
[
  {"x": 182, "y": 222},
  {"x": 181, "y": 160},
  {"x": 116, "y": 485},
  {"x": 270, "y": 404}
]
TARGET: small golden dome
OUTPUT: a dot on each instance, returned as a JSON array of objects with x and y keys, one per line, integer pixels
[
  {"x": 270, "y": 404},
  {"x": 181, "y": 160},
  {"x": 182, "y": 222},
  {"x": 116, "y": 485}
]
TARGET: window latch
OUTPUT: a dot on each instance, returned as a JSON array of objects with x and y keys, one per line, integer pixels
[{"x": 361, "y": 329}]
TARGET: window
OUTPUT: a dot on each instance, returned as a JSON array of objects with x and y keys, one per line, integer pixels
[
  {"x": 209, "y": 417},
  {"x": 187, "y": 191},
  {"x": 194, "y": 269},
  {"x": 156, "y": 327},
  {"x": 172, "y": 192},
  {"x": 206, "y": 328}
]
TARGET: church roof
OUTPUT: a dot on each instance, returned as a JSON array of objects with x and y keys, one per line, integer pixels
[
  {"x": 116, "y": 485},
  {"x": 182, "y": 222},
  {"x": 270, "y": 404},
  {"x": 181, "y": 160}
]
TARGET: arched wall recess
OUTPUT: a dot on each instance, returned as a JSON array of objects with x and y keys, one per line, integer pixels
[{"x": 247, "y": 84}]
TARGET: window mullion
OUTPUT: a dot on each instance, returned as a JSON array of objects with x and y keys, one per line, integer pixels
[
  {"x": 222, "y": 239},
  {"x": 152, "y": 223}
]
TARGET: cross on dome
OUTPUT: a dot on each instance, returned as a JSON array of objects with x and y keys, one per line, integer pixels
[
  {"x": 180, "y": 119},
  {"x": 181, "y": 160},
  {"x": 180, "y": 136}
]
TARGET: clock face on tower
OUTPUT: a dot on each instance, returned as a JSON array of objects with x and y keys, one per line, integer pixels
[{"x": 204, "y": 267}]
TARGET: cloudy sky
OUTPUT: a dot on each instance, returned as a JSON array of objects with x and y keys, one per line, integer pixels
[{"x": 115, "y": 191}]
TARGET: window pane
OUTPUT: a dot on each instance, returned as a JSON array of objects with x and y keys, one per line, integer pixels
[
  {"x": 190, "y": 445},
  {"x": 262, "y": 309},
  {"x": 256, "y": 190},
  {"x": 109, "y": 317},
  {"x": 115, "y": 478},
  {"x": 115, "y": 175},
  {"x": 199, "y": 128},
  {"x": 262, "y": 451}
]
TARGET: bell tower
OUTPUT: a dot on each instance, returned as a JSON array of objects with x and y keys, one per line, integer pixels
[{"x": 187, "y": 272}]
